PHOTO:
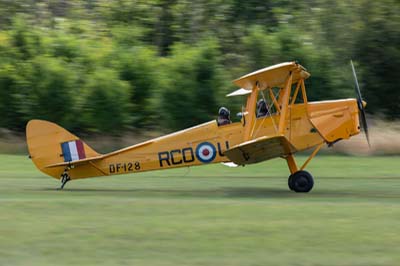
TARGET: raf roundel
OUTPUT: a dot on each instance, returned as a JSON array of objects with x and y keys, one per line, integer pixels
[{"x": 206, "y": 152}]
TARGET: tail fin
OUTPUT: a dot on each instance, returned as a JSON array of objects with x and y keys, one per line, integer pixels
[{"x": 50, "y": 144}]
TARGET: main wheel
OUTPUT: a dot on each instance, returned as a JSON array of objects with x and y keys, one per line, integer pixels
[
  {"x": 290, "y": 182},
  {"x": 301, "y": 181}
]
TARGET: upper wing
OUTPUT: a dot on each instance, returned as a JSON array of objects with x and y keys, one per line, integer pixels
[
  {"x": 260, "y": 149},
  {"x": 273, "y": 76}
]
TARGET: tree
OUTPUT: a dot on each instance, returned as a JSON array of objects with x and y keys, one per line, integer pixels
[
  {"x": 378, "y": 51},
  {"x": 49, "y": 91},
  {"x": 11, "y": 116},
  {"x": 195, "y": 78},
  {"x": 139, "y": 67},
  {"x": 105, "y": 105}
]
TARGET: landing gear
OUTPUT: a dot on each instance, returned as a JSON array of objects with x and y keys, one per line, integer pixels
[
  {"x": 301, "y": 181},
  {"x": 64, "y": 178}
]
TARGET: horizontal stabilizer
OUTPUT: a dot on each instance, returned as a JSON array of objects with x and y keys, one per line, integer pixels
[
  {"x": 260, "y": 149},
  {"x": 76, "y": 162}
]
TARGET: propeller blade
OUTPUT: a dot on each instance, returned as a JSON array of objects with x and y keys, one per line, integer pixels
[
  {"x": 365, "y": 125},
  {"x": 363, "y": 119},
  {"x": 357, "y": 87}
]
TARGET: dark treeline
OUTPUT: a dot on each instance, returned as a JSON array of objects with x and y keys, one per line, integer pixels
[{"x": 111, "y": 66}]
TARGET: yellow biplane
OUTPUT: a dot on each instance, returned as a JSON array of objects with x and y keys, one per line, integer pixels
[{"x": 291, "y": 124}]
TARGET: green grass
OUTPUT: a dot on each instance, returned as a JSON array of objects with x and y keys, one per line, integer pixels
[{"x": 210, "y": 215}]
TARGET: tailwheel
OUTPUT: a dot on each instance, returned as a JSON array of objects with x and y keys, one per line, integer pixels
[
  {"x": 64, "y": 178},
  {"x": 301, "y": 181}
]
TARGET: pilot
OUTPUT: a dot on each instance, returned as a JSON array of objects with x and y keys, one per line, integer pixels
[
  {"x": 223, "y": 116},
  {"x": 262, "y": 109}
]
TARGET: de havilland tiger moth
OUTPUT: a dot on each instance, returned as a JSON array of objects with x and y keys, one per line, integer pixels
[{"x": 277, "y": 121}]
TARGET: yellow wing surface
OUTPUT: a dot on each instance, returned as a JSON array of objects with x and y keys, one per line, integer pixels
[
  {"x": 273, "y": 76},
  {"x": 260, "y": 149}
]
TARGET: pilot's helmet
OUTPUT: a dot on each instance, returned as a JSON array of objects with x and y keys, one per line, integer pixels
[
  {"x": 223, "y": 112},
  {"x": 262, "y": 105}
]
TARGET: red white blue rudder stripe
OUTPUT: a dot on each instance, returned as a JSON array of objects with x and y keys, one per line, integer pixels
[
  {"x": 73, "y": 150},
  {"x": 206, "y": 152}
]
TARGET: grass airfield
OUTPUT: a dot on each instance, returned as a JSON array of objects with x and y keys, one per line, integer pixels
[{"x": 212, "y": 215}]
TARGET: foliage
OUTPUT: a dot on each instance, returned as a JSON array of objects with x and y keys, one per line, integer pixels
[
  {"x": 139, "y": 67},
  {"x": 11, "y": 117},
  {"x": 48, "y": 93},
  {"x": 168, "y": 63},
  {"x": 194, "y": 79},
  {"x": 106, "y": 102},
  {"x": 379, "y": 53}
]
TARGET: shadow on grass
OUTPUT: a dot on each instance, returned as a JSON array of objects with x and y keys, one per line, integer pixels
[{"x": 228, "y": 192}]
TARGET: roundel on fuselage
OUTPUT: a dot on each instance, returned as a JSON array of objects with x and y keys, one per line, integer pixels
[{"x": 206, "y": 152}]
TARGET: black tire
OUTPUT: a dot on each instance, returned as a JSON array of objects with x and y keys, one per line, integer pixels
[
  {"x": 290, "y": 182},
  {"x": 301, "y": 181}
]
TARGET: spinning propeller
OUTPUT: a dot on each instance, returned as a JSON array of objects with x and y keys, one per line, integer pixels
[{"x": 360, "y": 104}]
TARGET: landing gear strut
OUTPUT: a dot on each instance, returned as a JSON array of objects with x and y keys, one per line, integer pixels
[
  {"x": 301, "y": 181},
  {"x": 64, "y": 178}
]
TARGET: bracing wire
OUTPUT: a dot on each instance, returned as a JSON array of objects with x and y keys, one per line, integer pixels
[
  {"x": 270, "y": 113},
  {"x": 265, "y": 117}
]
